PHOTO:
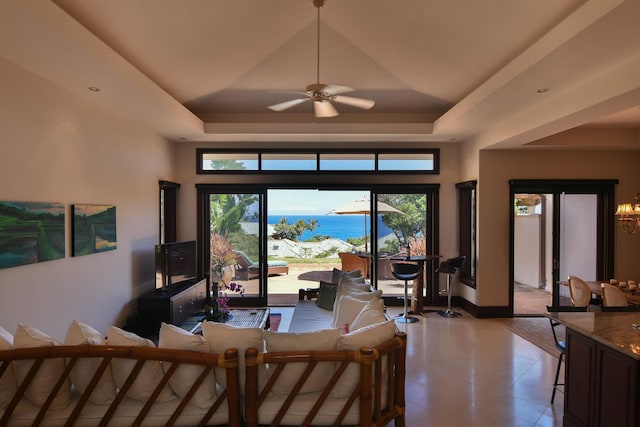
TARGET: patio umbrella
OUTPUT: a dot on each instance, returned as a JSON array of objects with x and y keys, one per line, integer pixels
[{"x": 363, "y": 207}]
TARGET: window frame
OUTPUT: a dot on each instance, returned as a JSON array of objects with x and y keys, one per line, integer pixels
[
  {"x": 201, "y": 152},
  {"x": 467, "y": 223}
]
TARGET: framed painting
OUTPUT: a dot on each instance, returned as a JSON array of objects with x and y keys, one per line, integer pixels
[
  {"x": 31, "y": 232},
  {"x": 94, "y": 229}
]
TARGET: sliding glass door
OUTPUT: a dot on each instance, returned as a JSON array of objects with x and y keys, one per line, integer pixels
[
  {"x": 274, "y": 240},
  {"x": 232, "y": 240}
]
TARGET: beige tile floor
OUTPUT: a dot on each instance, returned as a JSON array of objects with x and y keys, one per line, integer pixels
[{"x": 473, "y": 372}]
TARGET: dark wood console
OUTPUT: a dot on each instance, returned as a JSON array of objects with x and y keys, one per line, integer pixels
[
  {"x": 602, "y": 371},
  {"x": 173, "y": 306}
]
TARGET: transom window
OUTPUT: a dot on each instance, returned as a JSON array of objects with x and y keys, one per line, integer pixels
[{"x": 380, "y": 161}]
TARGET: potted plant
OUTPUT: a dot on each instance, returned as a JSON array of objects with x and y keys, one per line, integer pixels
[{"x": 222, "y": 257}]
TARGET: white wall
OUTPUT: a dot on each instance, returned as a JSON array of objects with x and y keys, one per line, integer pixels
[
  {"x": 578, "y": 237},
  {"x": 527, "y": 249},
  {"x": 55, "y": 147}
]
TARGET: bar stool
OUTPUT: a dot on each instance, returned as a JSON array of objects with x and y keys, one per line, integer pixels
[
  {"x": 406, "y": 271},
  {"x": 450, "y": 267}
]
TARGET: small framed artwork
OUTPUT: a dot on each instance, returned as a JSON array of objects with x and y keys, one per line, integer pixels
[
  {"x": 31, "y": 232},
  {"x": 94, "y": 229}
]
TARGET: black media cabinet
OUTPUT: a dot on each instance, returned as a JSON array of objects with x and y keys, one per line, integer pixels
[{"x": 174, "y": 305}]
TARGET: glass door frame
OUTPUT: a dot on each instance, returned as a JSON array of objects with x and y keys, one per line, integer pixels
[
  {"x": 203, "y": 190},
  {"x": 202, "y": 245},
  {"x": 605, "y": 250}
]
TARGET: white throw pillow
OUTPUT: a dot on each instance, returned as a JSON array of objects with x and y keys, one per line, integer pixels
[
  {"x": 372, "y": 313},
  {"x": 317, "y": 340},
  {"x": 353, "y": 303},
  {"x": 186, "y": 375},
  {"x": 49, "y": 373},
  {"x": 337, "y": 273},
  {"x": 150, "y": 374},
  {"x": 78, "y": 334},
  {"x": 368, "y": 336},
  {"x": 358, "y": 283},
  {"x": 8, "y": 384},
  {"x": 221, "y": 337}
]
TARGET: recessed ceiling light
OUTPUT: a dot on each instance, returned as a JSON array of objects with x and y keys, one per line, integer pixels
[
  {"x": 94, "y": 89},
  {"x": 543, "y": 90}
]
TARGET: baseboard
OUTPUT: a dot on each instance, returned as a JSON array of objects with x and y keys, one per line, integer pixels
[{"x": 483, "y": 311}]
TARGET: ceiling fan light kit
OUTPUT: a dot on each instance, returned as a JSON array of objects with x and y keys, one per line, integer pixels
[{"x": 322, "y": 94}]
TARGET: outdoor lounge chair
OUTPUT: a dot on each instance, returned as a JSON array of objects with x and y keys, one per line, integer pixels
[{"x": 247, "y": 269}]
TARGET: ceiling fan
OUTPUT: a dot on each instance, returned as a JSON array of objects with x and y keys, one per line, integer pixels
[{"x": 322, "y": 94}]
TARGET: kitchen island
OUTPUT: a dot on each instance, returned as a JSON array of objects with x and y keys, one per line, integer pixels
[{"x": 602, "y": 382}]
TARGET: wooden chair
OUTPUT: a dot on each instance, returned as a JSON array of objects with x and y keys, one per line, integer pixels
[
  {"x": 580, "y": 292},
  {"x": 352, "y": 262},
  {"x": 612, "y": 296}
]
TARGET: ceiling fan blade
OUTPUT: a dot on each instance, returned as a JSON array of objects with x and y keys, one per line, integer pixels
[
  {"x": 336, "y": 89},
  {"x": 288, "y": 104},
  {"x": 366, "y": 104},
  {"x": 324, "y": 109}
]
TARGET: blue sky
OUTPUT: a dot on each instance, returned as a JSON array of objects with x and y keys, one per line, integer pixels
[{"x": 309, "y": 202}]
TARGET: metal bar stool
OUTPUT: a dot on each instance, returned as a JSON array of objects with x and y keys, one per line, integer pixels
[
  {"x": 450, "y": 267},
  {"x": 406, "y": 271}
]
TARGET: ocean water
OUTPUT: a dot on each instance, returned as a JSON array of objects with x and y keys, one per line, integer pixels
[{"x": 337, "y": 226}]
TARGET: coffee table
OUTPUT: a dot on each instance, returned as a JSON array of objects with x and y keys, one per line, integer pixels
[
  {"x": 249, "y": 318},
  {"x": 239, "y": 317}
]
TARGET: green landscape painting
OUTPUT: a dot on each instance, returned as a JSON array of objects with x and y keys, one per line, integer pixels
[
  {"x": 30, "y": 233},
  {"x": 94, "y": 229}
]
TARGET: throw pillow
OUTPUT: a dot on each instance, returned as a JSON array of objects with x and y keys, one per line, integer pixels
[
  {"x": 371, "y": 313},
  {"x": 221, "y": 337},
  {"x": 327, "y": 295},
  {"x": 317, "y": 340},
  {"x": 347, "y": 310},
  {"x": 336, "y": 274},
  {"x": 186, "y": 375},
  {"x": 49, "y": 373},
  {"x": 357, "y": 282},
  {"x": 8, "y": 384},
  {"x": 150, "y": 374},
  {"x": 368, "y": 336},
  {"x": 359, "y": 295},
  {"x": 82, "y": 372}
]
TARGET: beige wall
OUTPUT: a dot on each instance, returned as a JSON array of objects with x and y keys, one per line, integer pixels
[
  {"x": 498, "y": 167},
  {"x": 55, "y": 147}
]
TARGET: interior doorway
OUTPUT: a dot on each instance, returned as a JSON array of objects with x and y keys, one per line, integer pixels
[{"x": 558, "y": 228}]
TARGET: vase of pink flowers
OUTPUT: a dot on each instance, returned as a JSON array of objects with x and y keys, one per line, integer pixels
[{"x": 219, "y": 309}]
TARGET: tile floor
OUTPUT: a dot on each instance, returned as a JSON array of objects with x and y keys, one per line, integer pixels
[{"x": 473, "y": 372}]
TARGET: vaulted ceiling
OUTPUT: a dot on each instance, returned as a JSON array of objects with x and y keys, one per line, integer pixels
[{"x": 497, "y": 73}]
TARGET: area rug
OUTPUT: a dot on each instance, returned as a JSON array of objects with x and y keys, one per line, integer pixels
[
  {"x": 536, "y": 330},
  {"x": 274, "y": 321}
]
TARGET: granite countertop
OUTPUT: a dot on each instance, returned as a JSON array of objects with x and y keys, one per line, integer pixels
[{"x": 611, "y": 329}]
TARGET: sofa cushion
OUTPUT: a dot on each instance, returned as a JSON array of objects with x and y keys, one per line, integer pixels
[
  {"x": 8, "y": 384},
  {"x": 78, "y": 334},
  {"x": 220, "y": 337},
  {"x": 149, "y": 375},
  {"x": 49, "y": 373},
  {"x": 368, "y": 336},
  {"x": 307, "y": 317},
  {"x": 186, "y": 375},
  {"x": 327, "y": 295},
  {"x": 371, "y": 313},
  {"x": 318, "y": 340}
]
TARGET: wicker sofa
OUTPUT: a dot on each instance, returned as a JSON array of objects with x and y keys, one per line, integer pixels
[{"x": 228, "y": 376}]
